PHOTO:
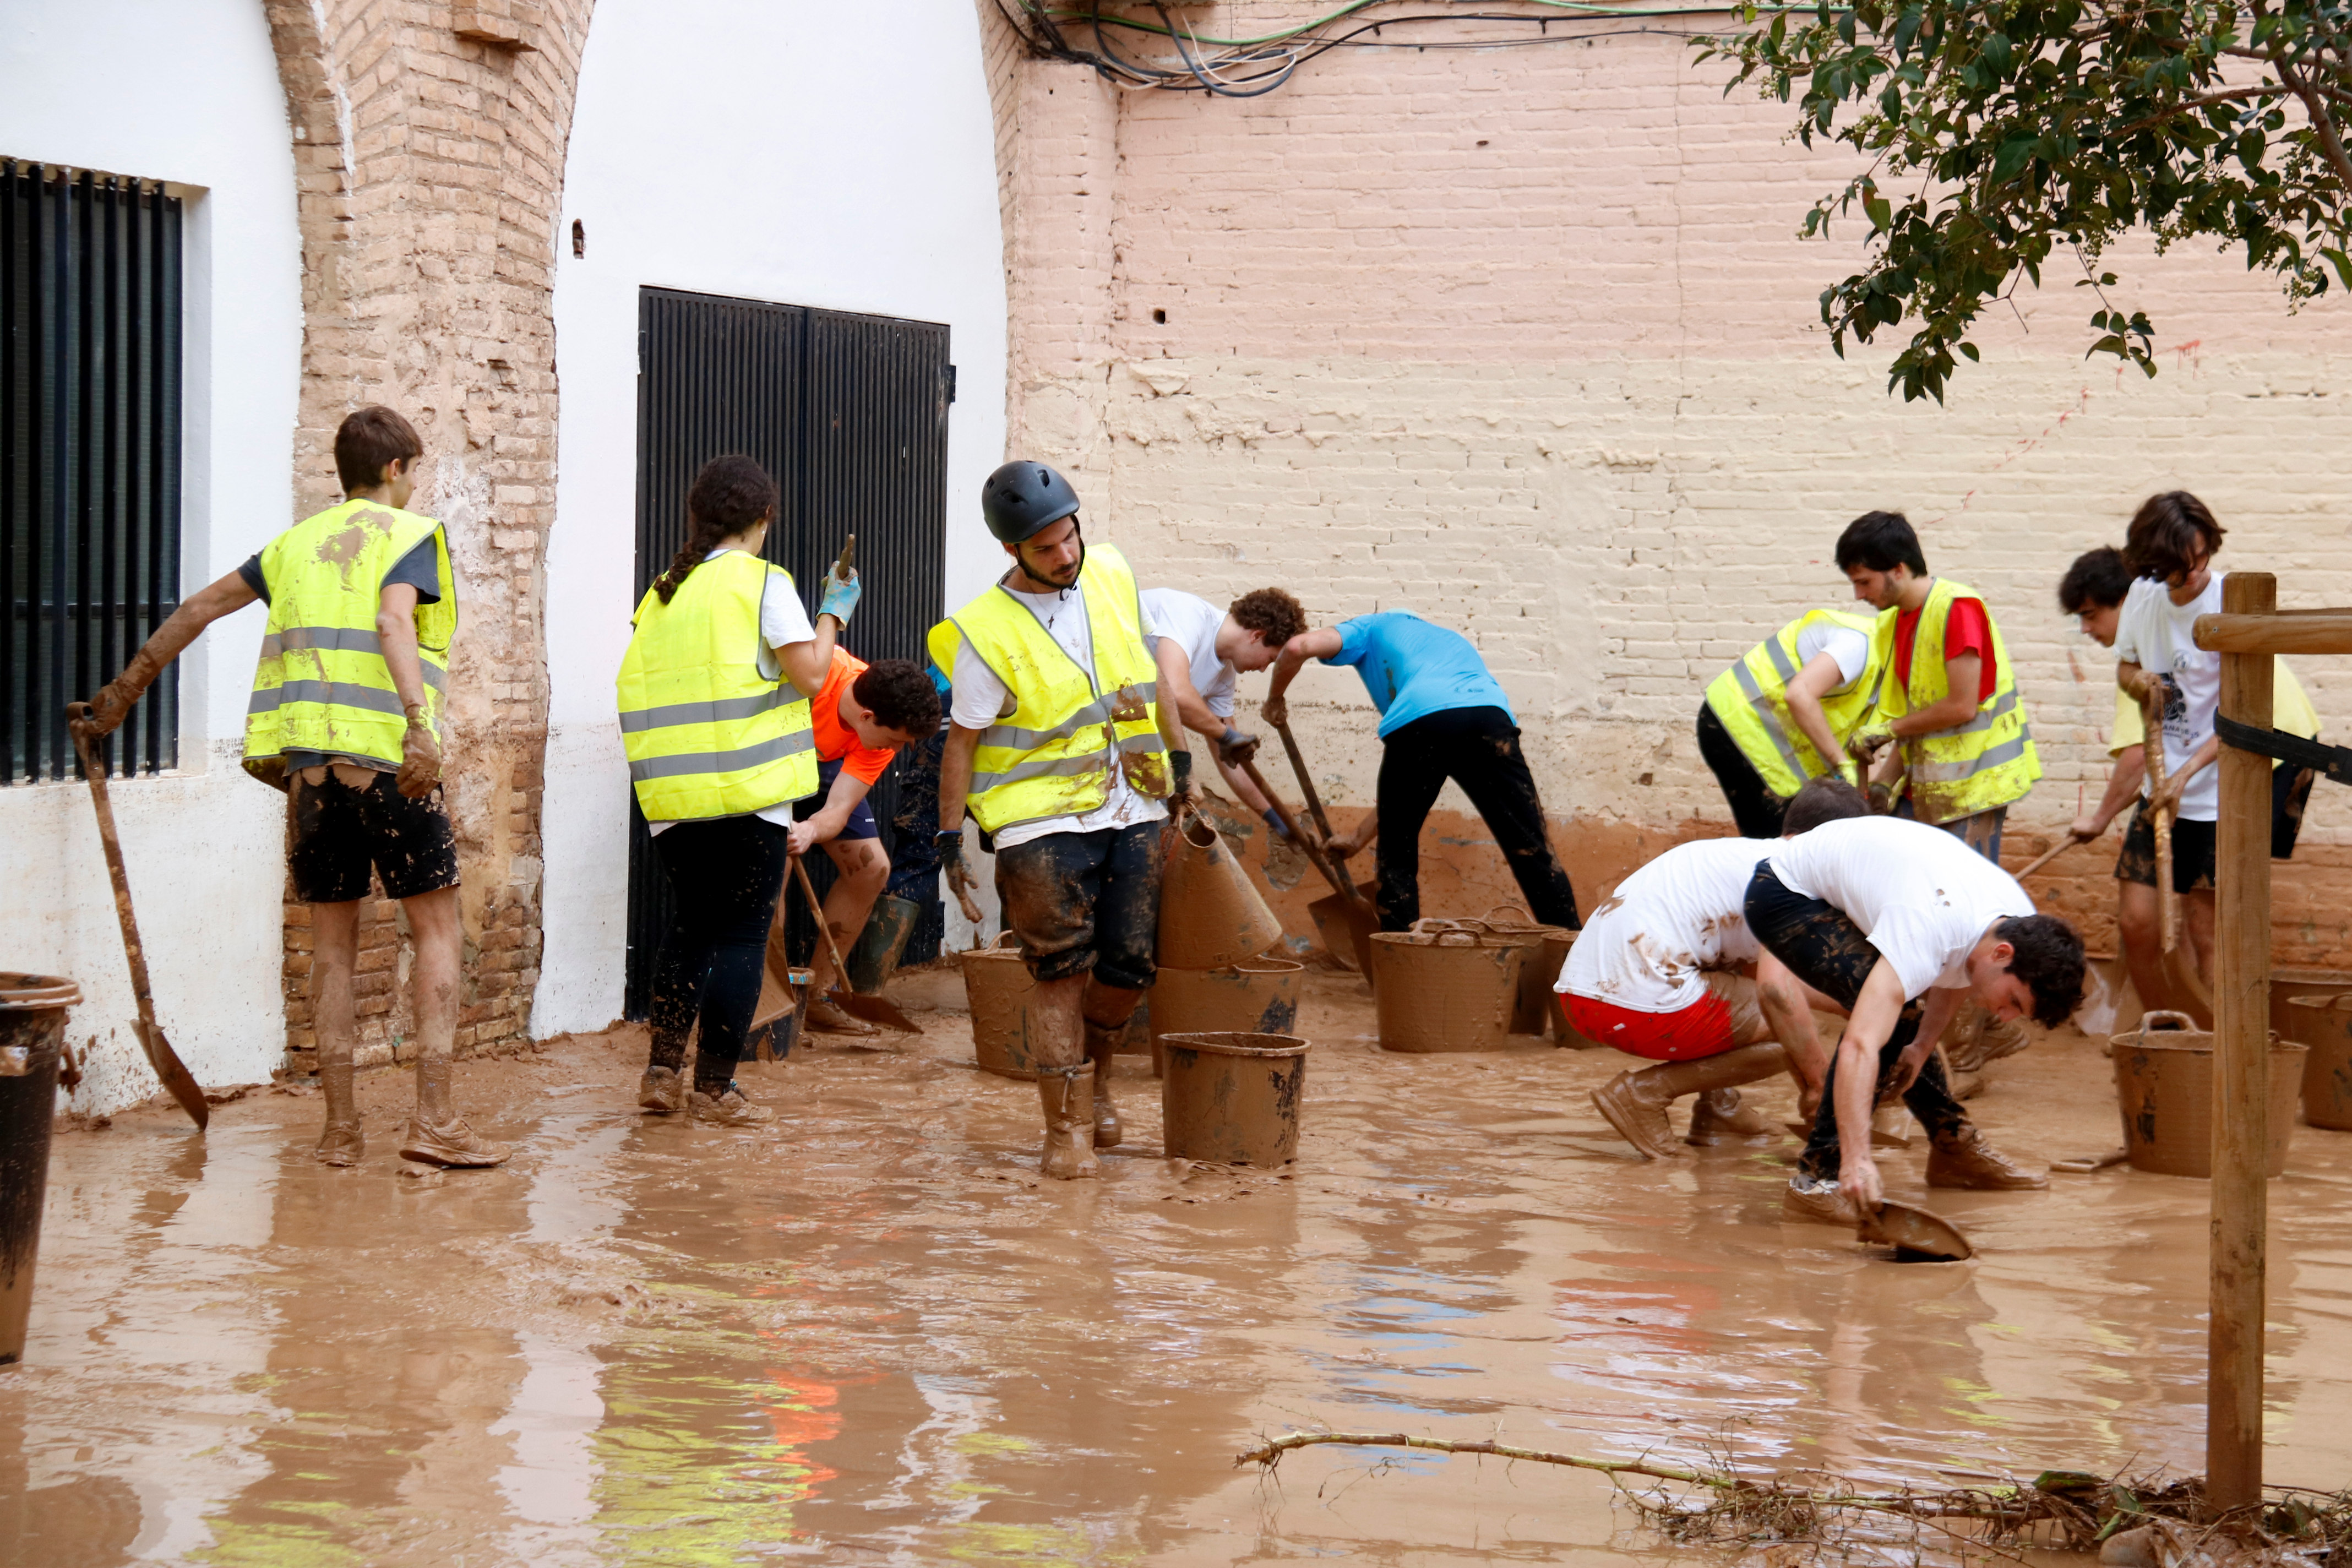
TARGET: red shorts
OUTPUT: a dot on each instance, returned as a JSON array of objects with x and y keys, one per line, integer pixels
[{"x": 1702, "y": 1030}]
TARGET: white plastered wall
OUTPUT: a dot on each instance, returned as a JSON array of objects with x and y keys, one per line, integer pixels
[
  {"x": 188, "y": 91},
  {"x": 768, "y": 153}
]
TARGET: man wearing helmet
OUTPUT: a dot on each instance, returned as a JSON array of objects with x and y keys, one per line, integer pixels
[{"x": 1061, "y": 753}]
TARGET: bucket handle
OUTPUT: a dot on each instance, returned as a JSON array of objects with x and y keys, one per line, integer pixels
[
  {"x": 1185, "y": 821},
  {"x": 1526, "y": 916},
  {"x": 2166, "y": 1021}
]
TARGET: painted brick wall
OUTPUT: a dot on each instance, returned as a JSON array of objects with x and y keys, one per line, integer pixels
[{"x": 1524, "y": 340}]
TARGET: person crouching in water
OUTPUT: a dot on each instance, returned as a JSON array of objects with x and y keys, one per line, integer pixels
[
  {"x": 1668, "y": 970},
  {"x": 1896, "y": 922},
  {"x": 715, "y": 718}
]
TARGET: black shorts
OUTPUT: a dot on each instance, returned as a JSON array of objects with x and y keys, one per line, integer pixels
[
  {"x": 861, "y": 816},
  {"x": 2192, "y": 853},
  {"x": 334, "y": 833},
  {"x": 1081, "y": 901}
]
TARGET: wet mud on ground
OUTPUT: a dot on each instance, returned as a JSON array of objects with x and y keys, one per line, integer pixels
[{"x": 869, "y": 1332}]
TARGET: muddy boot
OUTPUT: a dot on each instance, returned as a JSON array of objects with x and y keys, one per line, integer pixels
[
  {"x": 1067, "y": 1095},
  {"x": 1102, "y": 1041},
  {"x": 1635, "y": 1102},
  {"x": 342, "y": 1143},
  {"x": 450, "y": 1144},
  {"x": 727, "y": 1109},
  {"x": 1818, "y": 1203},
  {"x": 825, "y": 1018},
  {"x": 1720, "y": 1118},
  {"x": 1963, "y": 1159},
  {"x": 662, "y": 1089}
]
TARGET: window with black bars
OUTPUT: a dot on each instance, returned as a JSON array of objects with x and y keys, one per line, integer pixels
[{"x": 89, "y": 456}]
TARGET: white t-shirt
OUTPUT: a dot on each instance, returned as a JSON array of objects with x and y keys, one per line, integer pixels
[
  {"x": 1850, "y": 648},
  {"x": 1920, "y": 894},
  {"x": 782, "y": 622},
  {"x": 1193, "y": 623},
  {"x": 2158, "y": 636},
  {"x": 979, "y": 698},
  {"x": 1650, "y": 945}
]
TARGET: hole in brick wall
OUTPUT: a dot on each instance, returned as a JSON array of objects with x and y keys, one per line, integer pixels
[
  {"x": 579, "y": 238},
  {"x": 1160, "y": 318},
  {"x": 1482, "y": 142}
]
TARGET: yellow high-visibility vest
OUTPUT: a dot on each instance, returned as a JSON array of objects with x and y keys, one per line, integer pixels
[
  {"x": 1051, "y": 754},
  {"x": 707, "y": 734},
  {"x": 1988, "y": 762},
  {"x": 1751, "y": 699},
  {"x": 321, "y": 684}
]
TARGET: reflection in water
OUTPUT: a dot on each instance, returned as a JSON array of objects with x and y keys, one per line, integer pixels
[{"x": 870, "y": 1333}]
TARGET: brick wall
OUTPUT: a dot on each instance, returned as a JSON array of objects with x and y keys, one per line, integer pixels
[
  {"x": 1524, "y": 340},
  {"x": 429, "y": 167}
]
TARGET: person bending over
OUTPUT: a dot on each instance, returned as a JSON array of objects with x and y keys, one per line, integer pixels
[
  {"x": 1896, "y": 922},
  {"x": 1784, "y": 713},
  {"x": 1667, "y": 970},
  {"x": 1201, "y": 650}
]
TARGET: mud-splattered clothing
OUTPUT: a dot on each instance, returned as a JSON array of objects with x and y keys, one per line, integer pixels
[
  {"x": 1756, "y": 811},
  {"x": 1981, "y": 831},
  {"x": 725, "y": 873},
  {"x": 336, "y": 831},
  {"x": 1085, "y": 901},
  {"x": 1191, "y": 623},
  {"x": 1412, "y": 670},
  {"x": 419, "y": 569},
  {"x": 1650, "y": 946},
  {"x": 2193, "y": 846},
  {"x": 1727, "y": 1015},
  {"x": 1828, "y": 950},
  {"x": 1477, "y": 748},
  {"x": 1920, "y": 897}
]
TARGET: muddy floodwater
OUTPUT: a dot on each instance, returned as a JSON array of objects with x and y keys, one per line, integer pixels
[{"x": 870, "y": 1333}]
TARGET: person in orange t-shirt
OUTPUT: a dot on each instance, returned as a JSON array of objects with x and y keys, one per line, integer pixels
[{"x": 862, "y": 715}]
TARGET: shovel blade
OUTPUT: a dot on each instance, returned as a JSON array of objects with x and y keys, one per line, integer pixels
[
  {"x": 876, "y": 1010},
  {"x": 174, "y": 1074},
  {"x": 1909, "y": 1228}
]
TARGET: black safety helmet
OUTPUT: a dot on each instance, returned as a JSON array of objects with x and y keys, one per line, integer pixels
[{"x": 1021, "y": 498}]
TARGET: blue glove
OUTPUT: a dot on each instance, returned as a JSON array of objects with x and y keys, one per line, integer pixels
[
  {"x": 1273, "y": 820},
  {"x": 840, "y": 597}
]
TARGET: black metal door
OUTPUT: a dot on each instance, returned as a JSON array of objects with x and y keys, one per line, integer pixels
[{"x": 849, "y": 413}]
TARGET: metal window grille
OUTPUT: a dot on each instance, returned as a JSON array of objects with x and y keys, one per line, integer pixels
[
  {"x": 89, "y": 456},
  {"x": 849, "y": 413}
]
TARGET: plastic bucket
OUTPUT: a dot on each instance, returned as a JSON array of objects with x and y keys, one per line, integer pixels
[
  {"x": 2164, "y": 1090},
  {"x": 1210, "y": 911},
  {"x": 1532, "y": 1013},
  {"x": 2325, "y": 1025},
  {"x": 1345, "y": 930},
  {"x": 873, "y": 958},
  {"x": 2288, "y": 984},
  {"x": 1445, "y": 986},
  {"x": 1555, "y": 959},
  {"x": 1256, "y": 997},
  {"x": 998, "y": 988},
  {"x": 32, "y": 1037},
  {"x": 1232, "y": 1098}
]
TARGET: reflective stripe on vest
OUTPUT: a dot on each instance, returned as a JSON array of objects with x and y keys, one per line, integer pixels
[
  {"x": 705, "y": 733},
  {"x": 1751, "y": 700},
  {"x": 321, "y": 684},
  {"x": 1988, "y": 762},
  {"x": 1053, "y": 753}
]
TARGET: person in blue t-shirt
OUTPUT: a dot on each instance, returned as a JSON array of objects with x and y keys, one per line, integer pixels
[{"x": 1443, "y": 716}]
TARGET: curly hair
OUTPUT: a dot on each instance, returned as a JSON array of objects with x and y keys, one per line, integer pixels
[
  {"x": 1271, "y": 613},
  {"x": 1825, "y": 799},
  {"x": 2163, "y": 533},
  {"x": 2047, "y": 955},
  {"x": 900, "y": 695},
  {"x": 729, "y": 495},
  {"x": 2097, "y": 581}
]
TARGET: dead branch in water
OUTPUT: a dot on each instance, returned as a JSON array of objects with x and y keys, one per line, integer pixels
[{"x": 2070, "y": 1510}]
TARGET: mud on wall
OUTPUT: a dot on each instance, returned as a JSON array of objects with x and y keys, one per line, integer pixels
[{"x": 1523, "y": 340}]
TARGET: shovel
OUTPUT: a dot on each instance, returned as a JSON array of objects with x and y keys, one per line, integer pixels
[
  {"x": 1339, "y": 884},
  {"x": 1349, "y": 894},
  {"x": 1915, "y": 1235},
  {"x": 873, "y": 1009},
  {"x": 159, "y": 1054}
]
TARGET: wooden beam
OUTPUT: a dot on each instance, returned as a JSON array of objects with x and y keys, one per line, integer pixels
[
  {"x": 2233, "y": 1396},
  {"x": 2297, "y": 631}
]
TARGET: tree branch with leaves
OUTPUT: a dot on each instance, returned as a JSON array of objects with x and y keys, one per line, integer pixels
[{"x": 2002, "y": 136}]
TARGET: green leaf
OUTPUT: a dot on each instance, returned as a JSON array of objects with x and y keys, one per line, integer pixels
[
  {"x": 2340, "y": 261},
  {"x": 1880, "y": 211}
]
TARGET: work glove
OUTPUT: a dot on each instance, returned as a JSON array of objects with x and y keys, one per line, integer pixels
[
  {"x": 1865, "y": 744},
  {"x": 1234, "y": 748},
  {"x": 1182, "y": 762},
  {"x": 949, "y": 842},
  {"x": 1273, "y": 820},
  {"x": 420, "y": 761},
  {"x": 115, "y": 700},
  {"x": 840, "y": 595}
]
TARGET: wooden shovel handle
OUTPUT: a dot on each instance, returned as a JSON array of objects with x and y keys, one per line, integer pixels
[
  {"x": 1305, "y": 784},
  {"x": 816, "y": 910},
  {"x": 1339, "y": 885}
]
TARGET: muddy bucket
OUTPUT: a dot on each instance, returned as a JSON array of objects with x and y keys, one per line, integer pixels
[
  {"x": 32, "y": 1037},
  {"x": 997, "y": 987},
  {"x": 1210, "y": 911},
  {"x": 2288, "y": 984},
  {"x": 874, "y": 957},
  {"x": 1445, "y": 986},
  {"x": 1532, "y": 1013},
  {"x": 1256, "y": 997},
  {"x": 2325, "y": 1025},
  {"x": 1554, "y": 960},
  {"x": 2164, "y": 1090},
  {"x": 1345, "y": 930},
  {"x": 1232, "y": 1098}
]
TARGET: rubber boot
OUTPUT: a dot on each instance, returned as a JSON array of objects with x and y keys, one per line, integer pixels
[
  {"x": 1067, "y": 1095},
  {"x": 342, "y": 1143},
  {"x": 1635, "y": 1102},
  {"x": 1102, "y": 1042},
  {"x": 1963, "y": 1159},
  {"x": 1820, "y": 1204},
  {"x": 1720, "y": 1118},
  {"x": 662, "y": 1090}
]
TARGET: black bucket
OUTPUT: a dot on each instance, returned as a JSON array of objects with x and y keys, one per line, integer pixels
[{"x": 32, "y": 1037}]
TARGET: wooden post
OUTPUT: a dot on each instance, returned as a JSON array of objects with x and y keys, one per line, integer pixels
[{"x": 2233, "y": 1396}]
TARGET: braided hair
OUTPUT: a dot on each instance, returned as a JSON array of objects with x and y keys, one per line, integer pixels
[{"x": 730, "y": 494}]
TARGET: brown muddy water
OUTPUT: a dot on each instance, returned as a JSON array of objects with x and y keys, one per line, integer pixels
[{"x": 869, "y": 1332}]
